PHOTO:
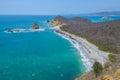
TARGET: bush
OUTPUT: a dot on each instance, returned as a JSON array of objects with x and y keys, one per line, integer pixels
[
  {"x": 97, "y": 67},
  {"x": 112, "y": 58},
  {"x": 102, "y": 46}
]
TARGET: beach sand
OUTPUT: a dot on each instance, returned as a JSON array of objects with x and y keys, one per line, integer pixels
[{"x": 88, "y": 51}]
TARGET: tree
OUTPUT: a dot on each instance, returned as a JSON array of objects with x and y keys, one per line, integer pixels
[
  {"x": 97, "y": 67},
  {"x": 112, "y": 58}
]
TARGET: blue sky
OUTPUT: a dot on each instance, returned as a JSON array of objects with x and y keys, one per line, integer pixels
[{"x": 44, "y": 7}]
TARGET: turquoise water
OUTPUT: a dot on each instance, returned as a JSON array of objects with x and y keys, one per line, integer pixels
[
  {"x": 99, "y": 18},
  {"x": 36, "y": 55}
]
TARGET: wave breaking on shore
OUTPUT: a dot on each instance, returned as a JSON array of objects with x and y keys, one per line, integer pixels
[
  {"x": 89, "y": 53},
  {"x": 75, "y": 44}
]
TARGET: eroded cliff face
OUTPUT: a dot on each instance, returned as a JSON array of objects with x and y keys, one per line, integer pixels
[
  {"x": 56, "y": 23},
  {"x": 59, "y": 21}
]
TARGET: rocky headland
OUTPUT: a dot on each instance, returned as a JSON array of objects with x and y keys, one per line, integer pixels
[
  {"x": 105, "y": 35},
  {"x": 100, "y": 42}
]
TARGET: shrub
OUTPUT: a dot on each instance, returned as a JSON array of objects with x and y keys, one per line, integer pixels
[
  {"x": 97, "y": 67},
  {"x": 112, "y": 58},
  {"x": 102, "y": 46}
]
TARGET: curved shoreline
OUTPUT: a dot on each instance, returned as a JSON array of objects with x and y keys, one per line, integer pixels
[
  {"x": 75, "y": 44},
  {"x": 89, "y": 53}
]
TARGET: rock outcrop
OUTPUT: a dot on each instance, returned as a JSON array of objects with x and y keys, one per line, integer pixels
[
  {"x": 107, "y": 77},
  {"x": 59, "y": 21},
  {"x": 35, "y": 26}
]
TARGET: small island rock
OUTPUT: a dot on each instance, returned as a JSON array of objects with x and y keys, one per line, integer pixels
[{"x": 35, "y": 26}]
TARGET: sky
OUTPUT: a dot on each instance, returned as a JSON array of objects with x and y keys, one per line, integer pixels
[{"x": 54, "y": 7}]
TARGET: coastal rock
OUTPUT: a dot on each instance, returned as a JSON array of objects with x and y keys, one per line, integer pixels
[
  {"x": 35, "y": 26},
  {"x": 107, "y": 77},
  {"x": 55, "y": 23},
  {"x": 59, "y": 21},
  {"x": 117, "y": 74},
  {"x": 9, "y": 30}
]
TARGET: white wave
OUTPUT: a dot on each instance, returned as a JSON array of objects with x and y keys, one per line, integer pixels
[
  {"x": 22, "y": 30},
  {"x": 35, "y": 30},
  {"x": 80, "y": 49},
  {"x": 53, "y": 28}
]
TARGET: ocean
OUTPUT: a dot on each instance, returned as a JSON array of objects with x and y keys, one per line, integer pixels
[{"x": 39, "y": 55}]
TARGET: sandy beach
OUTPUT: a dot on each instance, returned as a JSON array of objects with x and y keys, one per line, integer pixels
[{"x": 88, "y": 52}]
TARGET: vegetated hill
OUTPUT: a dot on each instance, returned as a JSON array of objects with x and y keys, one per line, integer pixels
[
  {"x": 107, "y": 13},
  {"x": 106, "y": 35}
]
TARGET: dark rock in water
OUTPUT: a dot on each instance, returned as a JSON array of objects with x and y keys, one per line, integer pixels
[
  {"x": 48, "y": 21},
  {"x": 10, "y": 30},
  {"x": 35, "y": 26}
]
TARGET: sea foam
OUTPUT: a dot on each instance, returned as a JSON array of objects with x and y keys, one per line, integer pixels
[
  {"x": 20, "y": 30},
  {"x": 80, "y": 49}
]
